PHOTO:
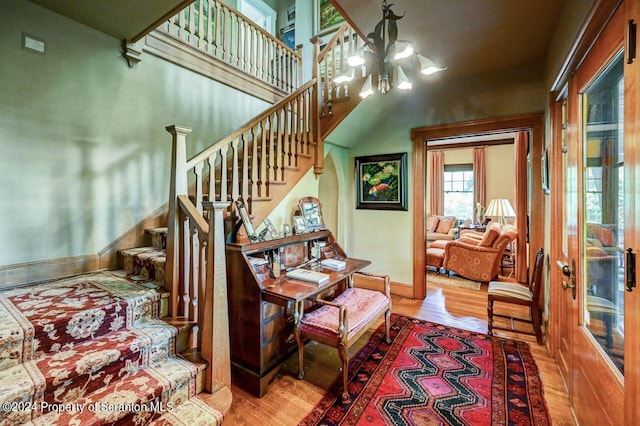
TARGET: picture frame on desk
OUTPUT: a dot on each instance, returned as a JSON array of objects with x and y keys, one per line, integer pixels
[
  {"x": 381, "y": 182},
  {"x": 299, "y": 225},
  {"x": 271, "y": 230},
  {"x": 311, "y": 211},
  {"x": 246, "y": 221}
]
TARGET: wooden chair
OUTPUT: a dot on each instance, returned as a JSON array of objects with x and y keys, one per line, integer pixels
[
  {"x": 510, "y": 291},
  {"x": 342, "y": 321}
]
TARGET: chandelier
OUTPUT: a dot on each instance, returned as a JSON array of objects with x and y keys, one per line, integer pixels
[{"x": 386, "y": 56}]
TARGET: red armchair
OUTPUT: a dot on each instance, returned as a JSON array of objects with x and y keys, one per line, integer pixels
[{"x": 479, "y": 261}]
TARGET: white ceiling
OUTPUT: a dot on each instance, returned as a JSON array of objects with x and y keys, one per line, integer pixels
[{"x": 469, "y": 37}]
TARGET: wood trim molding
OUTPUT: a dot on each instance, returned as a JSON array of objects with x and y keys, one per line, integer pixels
[
  {"x": 600, "y": 13},
  {"x": 533, "y": 122},
  {"x": 175, "y": 51},
  {"x": 419, "y": 162},
  {"x": 46, "y": 270},
  {"x": 398, "y": 289}
]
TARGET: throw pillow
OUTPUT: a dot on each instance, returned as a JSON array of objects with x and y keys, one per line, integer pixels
[
  {"x": 445, "y": 224},
  {"x": 603, "y": 233},
  {"x": 490, "y": 236},
  {"x": 432, "y": 222}
]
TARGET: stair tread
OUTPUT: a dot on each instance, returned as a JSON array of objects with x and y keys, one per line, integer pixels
[
  {"x": 143, "y": 395},
  {"x": 88, "y": 357},
  {"x": 144, "y": 252},
  {"x": 145, "y": 261},
  {"x": 158, "y": 230},
  {"x": 35, "y": 318}
]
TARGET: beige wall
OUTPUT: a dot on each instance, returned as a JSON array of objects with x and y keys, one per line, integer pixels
[
  {"x": 499, "y": 162},
  {"x": 382, "y": 125}
]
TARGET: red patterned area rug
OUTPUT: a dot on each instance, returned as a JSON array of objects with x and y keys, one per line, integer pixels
[{"x": 431, "y": 374}]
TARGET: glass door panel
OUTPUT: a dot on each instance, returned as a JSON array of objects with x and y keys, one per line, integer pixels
[{"x": 603, "y": 203}]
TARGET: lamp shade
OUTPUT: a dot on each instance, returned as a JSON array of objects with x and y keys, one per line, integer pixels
[{"x": 501, "y": 208}]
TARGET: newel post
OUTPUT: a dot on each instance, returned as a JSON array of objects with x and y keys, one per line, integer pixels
[
  {"x": 215, "y": 348},
  {"x": 318, "y": 165},
  {"x": 299, "y": 51},
  {"x": 177, "y": 186}
]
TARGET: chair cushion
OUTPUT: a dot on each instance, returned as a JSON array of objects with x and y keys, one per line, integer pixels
[
  {"x": 509, "y": 289},
  {"x": 600, "y": 304},
  {"x": 439, "y": 244},
  {"x": 363, "y": 306}
]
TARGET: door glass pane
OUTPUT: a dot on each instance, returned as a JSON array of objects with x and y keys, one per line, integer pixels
[{"x": 603, "y": 203}]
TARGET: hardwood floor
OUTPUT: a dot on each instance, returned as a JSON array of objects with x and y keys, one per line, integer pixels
[{"x": 289, "y": 399}]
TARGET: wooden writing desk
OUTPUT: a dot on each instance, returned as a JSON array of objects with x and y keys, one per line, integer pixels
[
  {"x": 283, "y": 289},
  {"x": 261, "y": 308}
]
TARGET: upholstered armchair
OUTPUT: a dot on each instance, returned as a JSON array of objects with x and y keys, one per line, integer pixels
[{"x": 479, "y": 261}]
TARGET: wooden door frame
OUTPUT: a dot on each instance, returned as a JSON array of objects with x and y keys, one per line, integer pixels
[{"x": 526, "y": 122}]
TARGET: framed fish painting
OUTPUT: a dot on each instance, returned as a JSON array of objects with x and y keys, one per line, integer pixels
[{"x": 381, "y": 182}]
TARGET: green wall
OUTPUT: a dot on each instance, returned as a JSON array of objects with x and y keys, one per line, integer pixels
[{"x": 84, "y": 155}]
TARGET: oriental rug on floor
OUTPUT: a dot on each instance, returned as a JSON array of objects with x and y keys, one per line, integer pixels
[{"x": 434, "y": 374}]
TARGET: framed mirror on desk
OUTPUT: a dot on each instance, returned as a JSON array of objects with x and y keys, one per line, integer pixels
[{"x": 311, "y": 212}]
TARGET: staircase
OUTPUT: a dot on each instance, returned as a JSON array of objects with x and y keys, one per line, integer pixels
[
  {"x": 92, "y": 349},
  {"x": 112, "y": 347}
]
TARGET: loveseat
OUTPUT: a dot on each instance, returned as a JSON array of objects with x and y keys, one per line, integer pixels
[{"x": 441, "y": 228}]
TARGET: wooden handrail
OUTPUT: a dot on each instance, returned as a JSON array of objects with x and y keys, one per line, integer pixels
[
  {"x": 193, "y": 214},
  {"x": 226, "y": 34},
  {"x": 202, "y": 156}
]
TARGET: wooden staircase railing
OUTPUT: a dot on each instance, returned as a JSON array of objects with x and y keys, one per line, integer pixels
[
  {"x": 266, "y": 153},
  {"x": 242, "y": 166},
  {"x": 224, "y": 33},
  {"x": 338, "y": 100}
]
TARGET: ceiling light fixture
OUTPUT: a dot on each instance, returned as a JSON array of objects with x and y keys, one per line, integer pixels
[{"x": 383, "y": 53}]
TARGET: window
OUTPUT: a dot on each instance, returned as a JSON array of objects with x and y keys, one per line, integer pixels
[
  {"x": 260, "y": 13},
  {"x": 458, "y": 191}
]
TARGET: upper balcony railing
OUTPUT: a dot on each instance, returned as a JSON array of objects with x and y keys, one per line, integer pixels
[{"x": 226, "y": 34}]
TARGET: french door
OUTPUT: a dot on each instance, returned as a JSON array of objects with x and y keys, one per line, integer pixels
[{"x": 597, "y": 333}]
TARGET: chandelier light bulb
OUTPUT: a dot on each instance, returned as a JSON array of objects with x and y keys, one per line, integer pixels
[
  {"x": 367, "y": 89},
  {"x": 427, "y": 66},
  {"x": 346, "y": 77},
  {"x": 403, "y": 81},
  {"x": 356, "y": 59},
  {"x": 404, "y": 49}
]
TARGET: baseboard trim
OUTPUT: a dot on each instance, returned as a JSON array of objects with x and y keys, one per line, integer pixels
[
  {"x": 398, "y": 289},
  {"x": 46, "y": 270}
]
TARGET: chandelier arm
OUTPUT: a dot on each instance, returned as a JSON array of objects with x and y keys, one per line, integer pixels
[{"x": 385, "y": 53}]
